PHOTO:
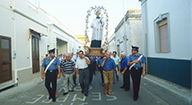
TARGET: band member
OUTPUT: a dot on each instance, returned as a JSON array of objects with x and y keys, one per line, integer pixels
[
  {"x": 137, "y": 70},
  {"x": 51, "y": 72}
]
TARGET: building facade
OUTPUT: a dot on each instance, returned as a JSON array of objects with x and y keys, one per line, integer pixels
[
  {"x": 82, "y": 39},
  {"x": 129, "y": 33},
  {"x": 166, "y": 34},
  {"x": 26, "y": 34},
  {"x": 112, "y": 44}
]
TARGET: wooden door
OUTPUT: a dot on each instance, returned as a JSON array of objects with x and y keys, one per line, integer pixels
[
  {"x": 35, "y": 54},
  {"x": 5, "y": 59}
]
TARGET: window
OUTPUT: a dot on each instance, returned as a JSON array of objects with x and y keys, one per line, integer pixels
[{"x": 162, "y": 42}]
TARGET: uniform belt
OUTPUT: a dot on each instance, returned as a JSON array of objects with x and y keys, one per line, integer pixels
[
  {"x": 137, "y": 68},
  {"x": 51, "y": 70},
  {"x": 84, "y": 68}
]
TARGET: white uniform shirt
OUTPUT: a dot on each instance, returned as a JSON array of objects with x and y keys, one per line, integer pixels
[
  {"x": 81, "y": 63},
  {"x": 116, "y": 59},
  {"x": 97, "y": 29}
]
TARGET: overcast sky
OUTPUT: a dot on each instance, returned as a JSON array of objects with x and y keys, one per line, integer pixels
[{"x": 72, "y": 13}]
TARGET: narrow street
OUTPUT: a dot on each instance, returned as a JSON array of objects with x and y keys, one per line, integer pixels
[{"x": 150, "y": 94}]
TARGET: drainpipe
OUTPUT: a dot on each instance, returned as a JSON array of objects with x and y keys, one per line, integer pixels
[
  {"x": 146, "y": 38},
  {"x": 14, "y": 46},
  {"x": 145, "y": 32}
]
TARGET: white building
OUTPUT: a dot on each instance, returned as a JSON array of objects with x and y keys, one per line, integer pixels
[
  {"x": 129, "y": 33},
  {"x": 26, "y": 33},
  {"x": 166, "y": 35},
  {"x": 112, "y": 45}
]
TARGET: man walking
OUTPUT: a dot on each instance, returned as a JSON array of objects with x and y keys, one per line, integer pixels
[
  {"x": 82, "y": 66},
  {"x": 108, "y": 65},
  {"x": 137, "y": 70},
  {"x": 117, "y": 62},
  {"x": 125, "y": 72},
  {"x": 49, "y": 71},
  {"x": 67, "y": 68}
]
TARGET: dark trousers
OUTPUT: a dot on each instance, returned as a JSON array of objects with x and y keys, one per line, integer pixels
[
  {"x": 101, "y": 71},
  {"x": 136, "y": 79},
  {"x": 96, "y": 43},
  {"x": 84, "y": 80},
  {"x": 91, "y": 71},
  {"x": 74, "y": 79},
  {"x": 126, "y": 79},
  {"x": 51, "y": 78},
  {"x": 115, "y": 74},
  {"x": 94, "y": 68}
]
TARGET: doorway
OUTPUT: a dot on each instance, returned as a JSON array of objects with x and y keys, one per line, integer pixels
[{"x": 5, "y": 59}]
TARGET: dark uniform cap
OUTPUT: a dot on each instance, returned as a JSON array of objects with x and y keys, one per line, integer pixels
[
  {"x": 52, "y": 50},
  {"x": 135, "y": 48}
]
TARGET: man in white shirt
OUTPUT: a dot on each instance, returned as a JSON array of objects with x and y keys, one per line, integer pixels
[
  {"x": 60, "y": 57},
  {"x": 64, "y": 57},
  {"x": 82, "y": 66},
  {"x": 75, "y": 57},
  {"x": 97, "y": 35},
  {"x": 117, "y": 62}
]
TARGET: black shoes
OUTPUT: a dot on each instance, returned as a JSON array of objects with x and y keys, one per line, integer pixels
[
  {"x": 127, "y": 89},
  {"x": 136, "y": 97},
  {"x": 122, "y": 87},
  {"x": 49, "y": 97},
  {"x": 82, "y": 91},
  {"x": 71, "y": 90},
  {"x": 67, "y": 93},
  {"x": 64, "y": 93},
  {"x": 54, "y": 99},
  {"x": 86, "y": 94}
]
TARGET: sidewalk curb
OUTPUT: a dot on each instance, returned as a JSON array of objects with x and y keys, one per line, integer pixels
[
  {"x": 23, "y": 87},
  {"x": 20, "y": 88},
  {"x": 177, "y": 89}
]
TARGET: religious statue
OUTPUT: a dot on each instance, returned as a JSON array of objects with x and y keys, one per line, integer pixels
[{"x": 97, "y": 33}]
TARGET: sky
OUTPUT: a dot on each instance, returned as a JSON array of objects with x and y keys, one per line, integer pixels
[{"x": 72, "y": 13}]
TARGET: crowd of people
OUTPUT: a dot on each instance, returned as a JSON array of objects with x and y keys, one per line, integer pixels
[{"x": 110, "y": 66}]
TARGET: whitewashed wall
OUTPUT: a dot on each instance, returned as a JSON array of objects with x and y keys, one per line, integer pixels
[
  {"x": 23, "y": 42},
  {"x": 179, "y": 27},
  {"x": 7, "y": 24},
  {"x": 16, "y": 22},
  {"x": 191, "y": 32},
  {"x": 112, "y": 44},
  {"x": 134, "y": 35}
]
